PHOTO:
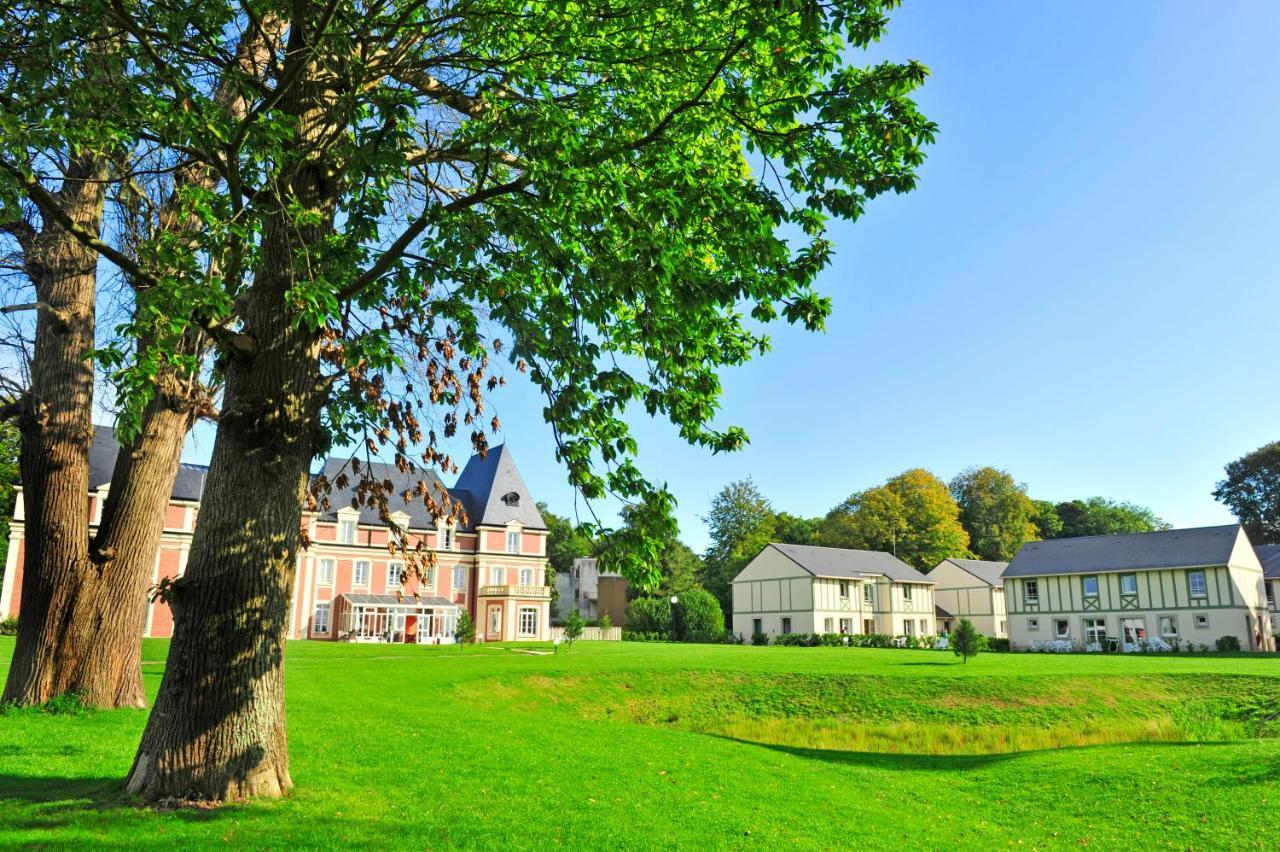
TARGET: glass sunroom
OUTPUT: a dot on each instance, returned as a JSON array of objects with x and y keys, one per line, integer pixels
[{"x": 390, "y": 618}]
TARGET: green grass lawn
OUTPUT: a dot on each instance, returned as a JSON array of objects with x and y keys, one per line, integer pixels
[{"x": 627, "y": 745}]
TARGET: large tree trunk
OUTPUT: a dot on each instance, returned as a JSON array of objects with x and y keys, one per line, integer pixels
[
  {"x": 217, "y": 730},
  {"x": 57, "y": 427},
  {"x": 124, "y": 552}
]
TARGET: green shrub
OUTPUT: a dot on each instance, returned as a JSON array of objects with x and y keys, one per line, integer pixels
[
  {"x": 572, "y": 626},
  {"x": 759, "y": 638},
  {"x": 966, "y": 642},
  {"x": 9, "y": 627},
  {"x": 465, "y": 630},
  {"x": 995, "y": 643},
  {"x": 642, "y": 636},
  {"x": 606, "y": 623},
  {"x": 66, "y": 704},
  {"x": 1228, "y": 643},
  {"x": 701, "y": 612},
  {"x": 650, "y": 615}
]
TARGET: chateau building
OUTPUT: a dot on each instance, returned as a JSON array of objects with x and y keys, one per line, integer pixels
[{"x": 349, "y": 586}]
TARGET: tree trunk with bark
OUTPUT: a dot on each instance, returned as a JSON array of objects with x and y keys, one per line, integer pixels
[
  {"x": 56, "y": 424},
  {"x": 124, "y": 556},
  {"x": 217, "y": 730}
]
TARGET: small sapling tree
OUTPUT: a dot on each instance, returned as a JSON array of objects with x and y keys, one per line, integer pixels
[
  {"x": 965, "y": 641},
  {"x": 572, "y": 626},
  {"x": 465, "y": 631}
]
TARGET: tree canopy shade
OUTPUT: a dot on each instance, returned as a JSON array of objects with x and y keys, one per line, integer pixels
[
  {"x": 1100, "y": 516},
  {"x": 912, "y": 515},
  {"x": 741, "y": 523},
  {"x": 996, "y": 512},
  {"x": 1252, "y": 491},
  {"x": 624, "y": 190}
]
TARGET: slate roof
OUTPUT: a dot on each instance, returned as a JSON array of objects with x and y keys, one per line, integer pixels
[
  {"x": 939, "y": 612},
  {"x": 481, "y": 488},
  {"x": 495, "y": 492},
  {"x": 1269, "y": 556},
  {"x": 340, "y": 498},
  {"x": 187, "y": 485},
  {"x": 986, "y": 571},
  {"x": 853, "y": 564},
  {"x": 1128, "y": 552}
]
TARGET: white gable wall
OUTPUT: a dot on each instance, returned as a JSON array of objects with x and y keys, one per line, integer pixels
[{"x": 772, "y": 587}]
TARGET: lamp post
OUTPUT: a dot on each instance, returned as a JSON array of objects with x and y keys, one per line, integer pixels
[{"x": 677, "y": 619}]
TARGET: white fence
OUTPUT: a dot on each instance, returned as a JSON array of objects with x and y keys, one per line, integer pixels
[{"x": 613, "y": 634}]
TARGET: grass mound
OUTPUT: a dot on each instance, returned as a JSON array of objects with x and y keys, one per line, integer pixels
[{"x": 905, "y": 715}]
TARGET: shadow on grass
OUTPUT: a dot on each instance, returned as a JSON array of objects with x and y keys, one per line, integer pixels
[
  {"x": 59, "y": 800},
  {"x": 941, "y": 762}
]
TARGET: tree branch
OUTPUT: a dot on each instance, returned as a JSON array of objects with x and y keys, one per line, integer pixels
[{"x": 397, "y": 248}]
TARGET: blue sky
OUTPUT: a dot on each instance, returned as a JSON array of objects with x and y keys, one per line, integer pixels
[{"x": 1082, "y": 290}]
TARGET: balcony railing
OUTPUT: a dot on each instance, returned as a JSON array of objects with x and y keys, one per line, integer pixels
[{"x": 538, "y": 592}]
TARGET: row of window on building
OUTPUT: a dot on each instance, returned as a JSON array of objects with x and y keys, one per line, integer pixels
[
  {"x": 869, "y": 592},
  {"x": 846, "y": 626},
  {"x": 1197, "y": 585},
  {"x": 362, "y": 570},
  {"x": 1095, "y": 629},
  {"x": 445, "y": 537}
]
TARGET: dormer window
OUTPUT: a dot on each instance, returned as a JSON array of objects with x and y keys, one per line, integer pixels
[
  {"x": 346, "y": 532},
  {"x": 511, "y": 498},
  {"x": 513, "y": 542}
]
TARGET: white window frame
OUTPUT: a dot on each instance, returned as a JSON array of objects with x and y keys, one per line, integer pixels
[
  {"x": 521, "y": 629},
  {"x": 869, "y": 594},
  {"x": 1204, "y": 585},
  {"x": 1202, "y": 622},
  {"x": 346, "y": 531},
  {"x": 447, "y": 538},
  {"x": 394, "y": 570},
  {"x": 326, "y": 570},
  {"x": 844, "y": 588},
  {"x": 1033, "y": 624},
  {"x": 1061, "y": 628},
  {"x": 1084, "y": 586},
  {"x": 906, "y": 591},
  {"x": 1095, "y": 630},
  {"x": 1172, "y": 619},
  {"x": 325, "y": 608},
  {"x": 513, "y": 541},
  {"x": 1031, "y": 592},
  {"x": 459, "y": 577},
  {"x": 1129, "y": 576},
  {"x": 1269, "y": 589},
  {"x": 497, "y": 575},
  {"x": 526, "y": 576},
  {"x": 828, "y": 625},
  {"x": 355, "y": 572}
]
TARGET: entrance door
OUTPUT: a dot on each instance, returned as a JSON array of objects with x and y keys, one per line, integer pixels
[
  {"x": 1133, "y": 633},
  {"x": 495, "y": 622}
]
